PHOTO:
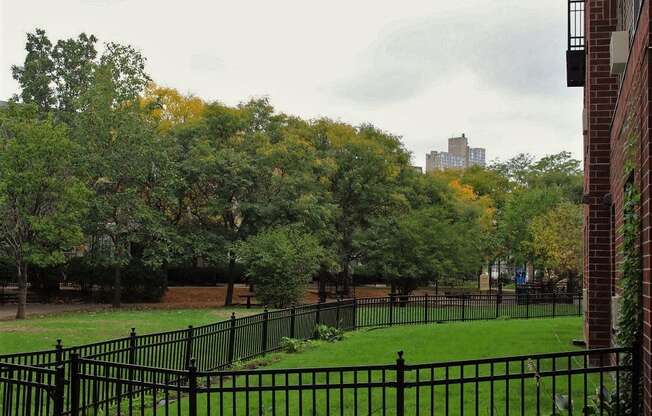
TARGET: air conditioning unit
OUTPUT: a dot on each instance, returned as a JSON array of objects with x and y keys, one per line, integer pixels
[{"x": 618, "y": 52}]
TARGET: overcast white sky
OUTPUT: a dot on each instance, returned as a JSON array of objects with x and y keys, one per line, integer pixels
[{"x": 493, "y": 69}]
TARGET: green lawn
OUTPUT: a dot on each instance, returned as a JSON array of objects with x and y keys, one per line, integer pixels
[
  {"x": 443, "y": 342},
  {"x": 75, "y": 328},
  {"x": 370, "y": 346},
  {"x": 421, "y": 344}
]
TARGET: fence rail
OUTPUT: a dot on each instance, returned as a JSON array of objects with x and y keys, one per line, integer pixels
[
  {"x": 580, "y": 382},
  {"x": 212, "y": 348}
]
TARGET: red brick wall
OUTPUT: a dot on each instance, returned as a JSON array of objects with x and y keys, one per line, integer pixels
[
  {"x": 622, "y": 110},
  {"x": 600, "y": 95},
  {"x": 632, "y": 123}
]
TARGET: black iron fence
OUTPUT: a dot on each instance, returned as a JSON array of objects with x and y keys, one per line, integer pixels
[
  {"x": 208, "y": 350},
  {"x": 581, "y": 382}
]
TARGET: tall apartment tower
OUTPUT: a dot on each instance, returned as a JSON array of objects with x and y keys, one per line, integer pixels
[{"x": 459, "y": 156}]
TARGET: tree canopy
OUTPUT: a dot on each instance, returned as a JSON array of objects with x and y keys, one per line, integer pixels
[{"x": 134, "y": 174}]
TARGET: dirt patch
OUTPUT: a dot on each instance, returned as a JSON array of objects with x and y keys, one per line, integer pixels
[{"x": 22, "y": 329}]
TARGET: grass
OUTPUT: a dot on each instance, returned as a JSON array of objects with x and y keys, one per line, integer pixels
[
  {"x": 442, "y": 342},
  {"x": 421, "y": 344},
  {"x": 75, "y": 328}
]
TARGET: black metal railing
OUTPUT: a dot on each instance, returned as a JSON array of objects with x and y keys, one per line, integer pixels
[
  {"x": 216, "y": 346},
  {"x": 578, "y": 382},
  {"x": 575, "y": 54},
  {"x": 576, "y": 25},
  {"x": 27, "y": 390}
]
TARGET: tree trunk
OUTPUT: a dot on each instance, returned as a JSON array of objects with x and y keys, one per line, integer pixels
[
  {"x": 117, "y": 287},
  {"x": 228, "y": 300},
  {"x": 346, "y": 281},
  {"x": 345, "y": 274},
  {"x": 322, "y": 276},
  {"x": 22, "y": 292}
]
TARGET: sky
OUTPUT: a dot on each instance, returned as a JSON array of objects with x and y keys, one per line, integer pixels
[{"x": 423, "y": 70}]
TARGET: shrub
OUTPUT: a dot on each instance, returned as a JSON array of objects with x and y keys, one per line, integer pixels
[
  {"x": 292, "y": 345},
  {"x": 139, "y": 282},
  {"x": 328, "y": 333},
  {"x": 280, "y": 262}
]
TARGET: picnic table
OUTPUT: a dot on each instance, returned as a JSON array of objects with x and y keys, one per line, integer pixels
[{"x": 248, "y": 296}]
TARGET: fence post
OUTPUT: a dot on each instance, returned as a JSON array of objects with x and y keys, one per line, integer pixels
[
  {"x": 463, "y": 306},
  {"x": 59, "y": 351},
  {"x": 231, "y": 338},
  {"x": 400, "y": 385},
  {"x": 293, "y": 313},
  {"x": 317, "y": 313},
  {"x": 355, "y": 313},
  {"x": 264, "y": 336},
  {"x": 74, "y": 384},
  {"x": 192, "y": 388},
  {"x": 579, "y": 303},
  {"x": 527, "y": 304},
  {"x": 132, "y": 346},
  {"x": 497, "y": 305},
  {"x": 425, "y": 309},
  {"x": 189, "y": 338},
  {"x": 554, "y": 304},
  {"x": 337, "y": 313},
  {"x": 59, "y": 389},
  {"x": 391, "y": 309}
]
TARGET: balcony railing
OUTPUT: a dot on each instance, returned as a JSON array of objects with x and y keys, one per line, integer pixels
[{"x": 575, "y": 55}]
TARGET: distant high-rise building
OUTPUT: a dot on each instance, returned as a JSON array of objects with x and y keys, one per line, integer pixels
[
  {"x": 477, "y": 156},
  {"x": 459, "y": 156}
]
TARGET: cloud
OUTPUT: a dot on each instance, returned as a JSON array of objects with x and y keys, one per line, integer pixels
[
  {"x": 512, "y": 50},
  {"x": 206, "y": 62}
]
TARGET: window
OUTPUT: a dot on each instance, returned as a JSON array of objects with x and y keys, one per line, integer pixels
[{"x": 628, "y": 14}]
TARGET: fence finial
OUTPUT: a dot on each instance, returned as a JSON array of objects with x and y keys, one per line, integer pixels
[
  {"x": 232, "y": 315},
  {"x": 400, "y": 355}
]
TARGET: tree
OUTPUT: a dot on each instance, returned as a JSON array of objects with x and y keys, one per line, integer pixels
[
  {"x": 280, "y": 261},
  {"x": 42, "y": 202},
  {"x": 37, "y": 73},
  {"x": 439, "y": 237},
  {"x": 168, "y": 108},
  {"x": 539, "y": 185},
  {"x": 127, "y": 168},
  {"x": 246, "y": 169},
  {"x": 363, "y": 181},
  {"x": 74, "y": 62},
  {"x": 557, "y": 241},
  {"x": 55, "y": 77}
]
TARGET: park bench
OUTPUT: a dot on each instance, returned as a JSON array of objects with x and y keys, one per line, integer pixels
[{"x": 248, "y": 297}]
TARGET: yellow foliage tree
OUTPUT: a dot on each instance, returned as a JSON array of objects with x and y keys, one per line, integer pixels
[
  {"x": 557, "y": 240},
  {"x": 168, "y": 107},
  {"x": 467, "y": 195}
]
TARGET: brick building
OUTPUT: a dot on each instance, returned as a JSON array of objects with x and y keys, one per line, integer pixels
[{"x": 609, "y": 49}]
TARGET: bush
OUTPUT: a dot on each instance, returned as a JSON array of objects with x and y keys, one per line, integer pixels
[
  {"x": 139, "y": 282},
  {"x": 292, "y": 345},
  {"x": 280, "y": 262},
  {"x": 328, "y": 333}
]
